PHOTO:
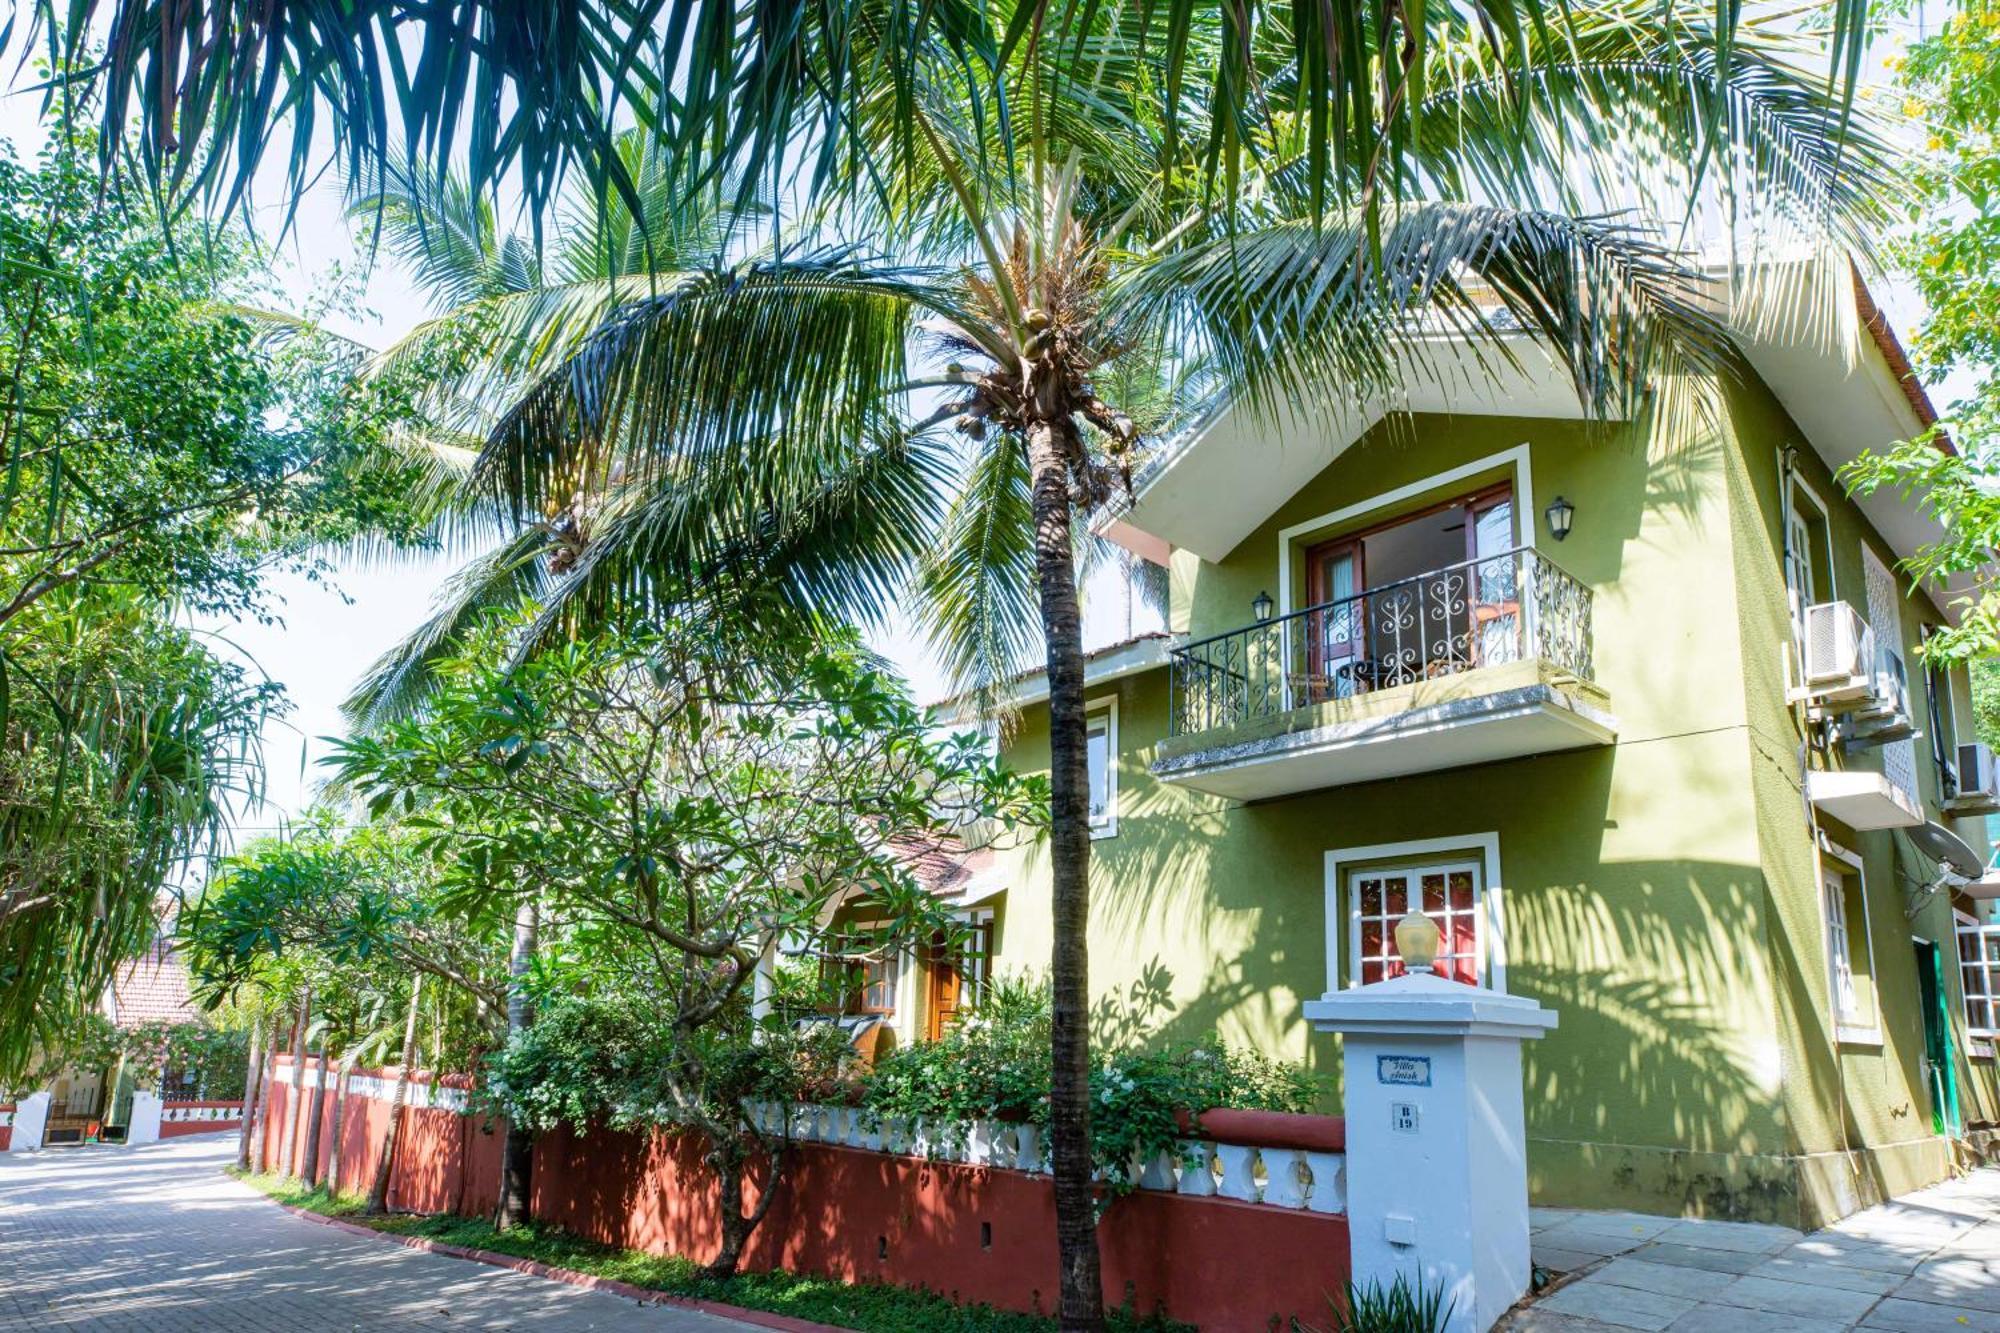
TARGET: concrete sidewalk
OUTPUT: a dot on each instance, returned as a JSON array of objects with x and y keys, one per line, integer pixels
[{"x": 1925, "y": 1263}]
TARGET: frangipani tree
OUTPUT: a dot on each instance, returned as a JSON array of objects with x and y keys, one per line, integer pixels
[{"x": 683, "y": 797}]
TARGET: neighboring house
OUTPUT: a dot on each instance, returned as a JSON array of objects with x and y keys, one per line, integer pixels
[
  {"x": 87, "y": 1105},
  {"x": 889, "y": 997},
  {"x": 1637, "y": 720}
]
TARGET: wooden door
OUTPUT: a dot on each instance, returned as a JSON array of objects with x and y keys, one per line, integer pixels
[
  {"x": 945, "y": 992},
  {"x": 1335, "y": 629}
]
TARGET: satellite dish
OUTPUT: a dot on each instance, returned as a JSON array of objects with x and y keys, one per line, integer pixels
[{"x": 1950, "y": 851}]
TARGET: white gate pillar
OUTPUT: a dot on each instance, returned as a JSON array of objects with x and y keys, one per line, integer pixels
[
  {"x": 144, "y": 1126},
  {"x": 31, "y": 1120},
  {"x": 1437, "y": 1164}
]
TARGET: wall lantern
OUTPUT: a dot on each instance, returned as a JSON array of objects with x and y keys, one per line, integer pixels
[
  {"x": 1559, "y": 514},
  {"x": 1261, "y": 608}
]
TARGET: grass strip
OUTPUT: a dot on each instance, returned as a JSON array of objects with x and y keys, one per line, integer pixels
[{"x": 868, "y": 1307}]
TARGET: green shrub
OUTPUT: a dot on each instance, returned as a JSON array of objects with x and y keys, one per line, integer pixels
[
  {"x": 995, "y": 1066},
  {"x": 1402, "y": 1308},
  {"x": 599, "y": 1061}
]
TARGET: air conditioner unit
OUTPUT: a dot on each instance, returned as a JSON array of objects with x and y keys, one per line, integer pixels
[
  {"x": 1978, "y": 786},
  {"x": 1839, "y": 666},
  {"x": 1884, "y": 715}
]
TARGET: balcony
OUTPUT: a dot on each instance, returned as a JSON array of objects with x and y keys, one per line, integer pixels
[{"x": 1484, "y": 660}]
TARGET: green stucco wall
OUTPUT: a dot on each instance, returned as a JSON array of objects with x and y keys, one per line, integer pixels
[{"x": 1658, "y": 893}]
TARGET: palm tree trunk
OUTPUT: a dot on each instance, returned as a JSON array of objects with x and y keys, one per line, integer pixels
[
  {"x": 317, "y": 1119},
  {"x": 290, "y": 1165},
  {"x": 1082, "y": 1285},
  {"x": 250, "y": 1140},
  {"x": 517, "y": 1166},
  {"x": 378, "y": 1193},
  {"x": 333, "y": 1166}
]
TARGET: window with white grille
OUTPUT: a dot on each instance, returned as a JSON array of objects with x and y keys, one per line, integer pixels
[
  {"x": 1979, "y": 975},
  {"x": 1448, "y": 892},
  {"x": 1100, "y": 730}
]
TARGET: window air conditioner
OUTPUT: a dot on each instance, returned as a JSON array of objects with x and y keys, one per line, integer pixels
[
  {"x": 1978, "y": 786},
  {"x": 1839, "y": 654}
]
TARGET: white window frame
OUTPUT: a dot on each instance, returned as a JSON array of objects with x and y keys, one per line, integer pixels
[
  {"x": 1343, "y": 921},
  {"x": 1839, "y": 955},
  {"x": 1862, "y": 1027},
  {"x": 1979, "y": 1040},
  {"x": 1106, "y": 706},
  {"x": 1801, "y": 598}
]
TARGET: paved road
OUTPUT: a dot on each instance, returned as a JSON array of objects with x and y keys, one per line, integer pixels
[
  {"x": 157, "y": 1240},
  {"x": 1928, "y": 1262}
]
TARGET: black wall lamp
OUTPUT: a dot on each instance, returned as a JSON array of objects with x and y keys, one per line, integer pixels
[
  {"x": 1261, "y": 608},
  {"x": 1559, "y": 513}
]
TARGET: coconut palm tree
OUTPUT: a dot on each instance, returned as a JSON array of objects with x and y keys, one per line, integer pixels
[{"x": 1035, "y": 297}]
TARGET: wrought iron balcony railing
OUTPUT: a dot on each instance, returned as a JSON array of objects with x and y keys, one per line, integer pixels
[{"x": 1485, "y": 612}]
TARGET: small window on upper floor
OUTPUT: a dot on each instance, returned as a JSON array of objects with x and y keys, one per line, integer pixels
[
  {"x": 1979, "y": 979},
  {"x": 1808, "y": 555},
  {"x": 1100, "y": 727},
  {"x": 1943, "y": 724}
]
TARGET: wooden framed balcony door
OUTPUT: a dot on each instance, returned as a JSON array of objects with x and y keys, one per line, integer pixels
[
  {"x": 944, "y": 990},
  {"x": 1427, "y": 594}
]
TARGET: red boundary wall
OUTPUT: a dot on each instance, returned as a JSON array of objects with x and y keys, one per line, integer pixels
[{"x": 974, "y": 1233}]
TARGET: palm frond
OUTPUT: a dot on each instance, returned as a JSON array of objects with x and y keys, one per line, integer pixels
[
  {"x": 203, "y": 94},
  {"x": 396, "y": 683},
  {"x": 806, "y": 350},
  {"x": 444, "y": 230},
  {"x": 1306, "y": 314},
  {"x": 976, "y": 597},
  {"x": 1640, "y": 108},
  {"x": 830, "y": 537}
]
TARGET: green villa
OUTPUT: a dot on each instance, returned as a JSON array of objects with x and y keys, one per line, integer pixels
[{"x": 1638, "y": 719}]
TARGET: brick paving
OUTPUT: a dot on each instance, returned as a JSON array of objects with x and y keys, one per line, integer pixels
[
  {"x": 158, "y": 1240},
  {"x": 1928, "y": 1262}
]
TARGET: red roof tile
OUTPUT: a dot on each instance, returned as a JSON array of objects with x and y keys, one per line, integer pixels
[{"x": 152, "y": 989}]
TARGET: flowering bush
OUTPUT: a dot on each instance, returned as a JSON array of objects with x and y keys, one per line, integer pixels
[{"x": 995, "y": 1066}]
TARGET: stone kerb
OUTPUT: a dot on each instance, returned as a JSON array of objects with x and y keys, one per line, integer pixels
[{"x": 1283, "y": 1161}]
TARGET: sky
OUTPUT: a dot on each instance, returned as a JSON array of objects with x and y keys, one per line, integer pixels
[{"x": 329, "y": 631}]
